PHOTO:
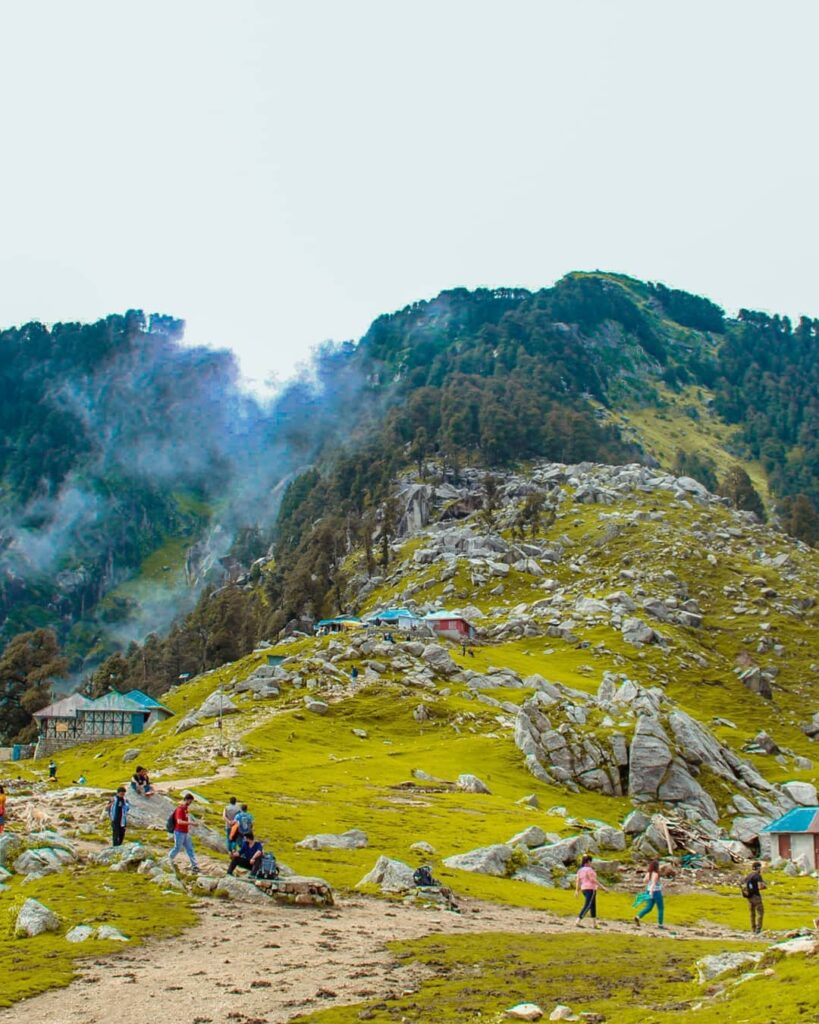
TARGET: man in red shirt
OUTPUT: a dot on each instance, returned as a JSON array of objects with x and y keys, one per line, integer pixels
[{"x": 181, "y": 832}]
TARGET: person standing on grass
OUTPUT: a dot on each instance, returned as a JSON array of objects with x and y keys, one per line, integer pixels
[
  {"x": 181, "y": 833},
  {"x": 229, "y": 816},
  {"x": 118, "y": 813},
  {"x": 654, "y": 888},
  {"x": 586, "y": 881},
  {"x": 751, "y": 890},
  {"x": 2, "y": 810}
]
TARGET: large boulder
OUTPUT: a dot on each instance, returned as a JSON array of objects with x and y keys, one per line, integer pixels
[
  {"x": 710, "y": 967},
  {"x": 10, "y": 848},
  {"x": 746, "y": 828},
  {"x": 636, "y": 632},
  {"x": 316, "y": 707},
  {"x": 217, "y": 703},
  {"x": 649, "y": 759},
  {"x": 42, "y": 861},
  {"x": 802, "y": 793},
  {"x": 439, "y": 660},
  {"x": 352, "y": 839},
  {"x": 34, "y": 919},
  {"x": 471, "y": 784},
  {"x": 636, "y": 822},
  {"x": 389, "y": 875},
  {"x": 564, "y": 851},
  {"x": 241, "y": 890},
  {"x": 608, "y": 838},
  {"x": 152, "y": 812},
  {"x": 529, "y": 837},
  {"x": 486, "y": 860}
]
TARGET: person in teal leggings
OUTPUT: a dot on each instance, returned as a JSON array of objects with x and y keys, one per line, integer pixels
[{"x": 654, "y": 889}]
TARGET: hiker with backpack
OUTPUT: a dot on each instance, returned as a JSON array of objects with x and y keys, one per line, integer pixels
[
  {"x": 587, "y": 882},
  {"x": 2, "y": 809},
  {"x": 750, "y": 889},
  {"x": 653, "y": 896},
  {"x": 179, "y": 823},
  {"x": 243, "y": 821},
  {"x": 118, "y": 813},
  {"x": 229, "y": 817},
  {"x": 249, "y": 855},
  {"x": 422, "y": 879}
]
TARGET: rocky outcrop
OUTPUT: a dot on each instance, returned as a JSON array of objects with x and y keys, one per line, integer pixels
[
  {"x": 389, "y": 875},
  {"x": 471, "y": 784},
  {"x": 153, "y": 812},
  {"x": 487, "y": 860},
  {"x": 352, "y": 839},
  {"x": 655, "y": 753}
]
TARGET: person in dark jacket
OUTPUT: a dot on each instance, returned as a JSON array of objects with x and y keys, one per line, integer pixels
[
  {"x": 752, "y": 886},
  {"x": 118, "y": 813},
  {"x": 249, "y": 855}
]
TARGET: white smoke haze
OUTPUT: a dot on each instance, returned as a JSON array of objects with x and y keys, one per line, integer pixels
[{"x": 164, "y": 418}]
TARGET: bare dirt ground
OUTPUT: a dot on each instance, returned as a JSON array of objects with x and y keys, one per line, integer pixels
[{"x": 251, "y": 964}]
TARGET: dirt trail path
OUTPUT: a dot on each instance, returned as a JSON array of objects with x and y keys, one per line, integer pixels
[{"x": 257, "y": 965}]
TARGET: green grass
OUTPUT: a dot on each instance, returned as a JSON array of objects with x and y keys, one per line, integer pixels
[
  {"x": 628, "y": 979},
  {"x": 92, "y": 896}
]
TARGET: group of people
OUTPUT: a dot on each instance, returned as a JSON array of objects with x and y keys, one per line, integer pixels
[
  {"x": 588, "y": 885},
  {"x": 246, "y": 851}
]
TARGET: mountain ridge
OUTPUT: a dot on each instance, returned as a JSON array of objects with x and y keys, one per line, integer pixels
[{"x": 597, "y": 367}]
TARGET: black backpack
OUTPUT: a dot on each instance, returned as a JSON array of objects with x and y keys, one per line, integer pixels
[
  {"x": 422, "y": 877},
  {"x": 268, "y": 868},
  {"x": 170, "y": 824}
]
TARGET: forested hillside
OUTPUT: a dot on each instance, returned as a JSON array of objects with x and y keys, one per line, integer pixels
[{"x": 134, "y": 467}]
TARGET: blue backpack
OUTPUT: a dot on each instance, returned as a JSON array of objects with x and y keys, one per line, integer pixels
[{"x": 268, "y": 867}]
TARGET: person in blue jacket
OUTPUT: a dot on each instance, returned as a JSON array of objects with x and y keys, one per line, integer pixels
[{"x": 118, "y": 813}]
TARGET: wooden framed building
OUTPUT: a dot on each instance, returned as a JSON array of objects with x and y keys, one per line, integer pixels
[{"x": 79, "y": 719}]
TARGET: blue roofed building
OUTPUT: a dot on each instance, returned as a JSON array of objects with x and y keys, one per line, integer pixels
[
  {"x": 79, "y": 719},
  {"x": 794, "y": 837}
]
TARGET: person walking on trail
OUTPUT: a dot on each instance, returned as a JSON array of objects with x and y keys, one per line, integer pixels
[
  {"x": 2, "y": 810},
  {"x": 181, "y": 833},
  {"x": 244, "y": 821},
  {"x": 118, "y": 813},
  {"x": 654, "y": 890},
  {"x": 587, "y": 882},
  {"x": 751, "y": 887},
  {"x": 229, "y": 817},
  {"x": 52, "y": 769},
  {"x": 249, "y": 855}
]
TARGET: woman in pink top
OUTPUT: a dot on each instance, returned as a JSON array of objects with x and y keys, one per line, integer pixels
[{"x": 586, "y": 882}]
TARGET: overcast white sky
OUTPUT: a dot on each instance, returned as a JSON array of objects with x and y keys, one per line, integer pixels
[{"x": 281, "y": 173}]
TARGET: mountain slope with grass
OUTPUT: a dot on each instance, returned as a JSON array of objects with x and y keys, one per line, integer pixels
[{"x": 642, "y": 682}]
